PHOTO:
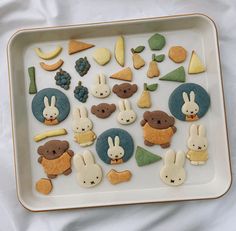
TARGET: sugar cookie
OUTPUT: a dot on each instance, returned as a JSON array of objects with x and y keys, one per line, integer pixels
[
  {"x": 138, "y": 61},
  {"x": 177, "y": 75},
  {"x": 124, "y": 74},
  {"x": 116, "y": 177},
  {"x": 103, "y": 110},
  {"x": 44, "y": 186},
  {"x": 102, "y": 56},
  {"x": 49, "y": 55},
  {"x": 100, "y": 88},
  {"x": 173, "y": 172},
  {"x": 32, "y": 85},
  {"x": 52, "y": 67},
  {"x": 77, "y": 46},
  {"x": 120, "y": 51},
  {"x": 156, "y": 42},
  {"x": 82, "y": 66},
  {"x": 177, "y": 54},
  {"x": 158, "y": 128},
  {"x": 195, "y": 65},
  {"x": 125, "y": 90}
]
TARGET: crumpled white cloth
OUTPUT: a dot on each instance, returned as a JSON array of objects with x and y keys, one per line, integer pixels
[{"x": 202, "y": 215}]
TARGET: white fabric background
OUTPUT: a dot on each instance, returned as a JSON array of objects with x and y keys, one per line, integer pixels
[{"x": 196, "y": 215}]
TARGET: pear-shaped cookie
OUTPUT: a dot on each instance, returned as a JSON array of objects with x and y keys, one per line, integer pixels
[{"x": 138, "y": 61}]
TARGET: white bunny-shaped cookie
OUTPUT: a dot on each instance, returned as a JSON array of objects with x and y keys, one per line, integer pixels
[
  {"x": 82, "y": 127},
  {"x": 197, "y": 144},
  {"x": 115, "y": 151},
  {"x": 126, "y": 115},
  {"x": 100, "y": 89},
  {"x": 190, "y": 108},
  {"x": 50, "y": 111},
  {"x": 89, "y": 174},
  {"x": 173, "y": 172}
]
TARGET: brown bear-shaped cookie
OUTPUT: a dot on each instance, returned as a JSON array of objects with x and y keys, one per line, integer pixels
[
  {"x": 55, "y": 158},
  {"x": 103, "y": 110},
  {"x": 125, "y": 90},
  {"x": 158, "y": 128}
]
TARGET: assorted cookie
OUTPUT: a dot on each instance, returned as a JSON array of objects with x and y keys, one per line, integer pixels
[
  {"x": 124, "y": 90},
  {"x": 103, "y": 110},
  {"x": 50, "y": 106},
  {"x": 188, "y": 102},
  {"x": 82, "y": 127},
  {"x": 158, "y": 128},
  {"x": 100, "y": 88},
  {"x": 115, "y": 146},
  {"x": 173, "y": 173},
  {"x": 89, "y": 173}
]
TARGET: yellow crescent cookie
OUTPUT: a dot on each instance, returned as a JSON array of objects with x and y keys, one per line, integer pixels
[
  {"x": 49, "y": 55},
  {"x": 51, "y": 67}
]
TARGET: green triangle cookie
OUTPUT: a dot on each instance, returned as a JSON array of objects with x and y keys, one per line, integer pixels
[
  {"x": 144, "y": 157},
  {"x": 177, "y": 75}
]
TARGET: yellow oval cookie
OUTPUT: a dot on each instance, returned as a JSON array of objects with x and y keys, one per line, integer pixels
[{"x": 102, "y": 56}]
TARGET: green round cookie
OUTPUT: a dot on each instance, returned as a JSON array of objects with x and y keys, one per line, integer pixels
[{"x": 156, "y": 42}]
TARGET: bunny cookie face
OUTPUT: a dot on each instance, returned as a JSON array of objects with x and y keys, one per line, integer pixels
[
  {"x": 173, "y": 172},
  {"x": 189, "y": 102},
  {"x": 197, "y": 144},
  {"x": 82, "y": 127},
  {"x": 115, "y": 146},
  {"x": 100, "y": 89},
  {"x": 89, "y": 174},
  {"x": 126, "y": 115},
  {"x": 50, "y": 112},
  {"x": 190, "y": 108},
  {"x": 115, "y": 151},
  {"x": 50, "y": 106}
]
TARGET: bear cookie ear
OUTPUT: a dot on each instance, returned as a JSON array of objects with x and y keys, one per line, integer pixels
[
  {"x": 64, "y": 144},
  {"x": 115, "y": 88},
  {"x": 40, "y": 150}
]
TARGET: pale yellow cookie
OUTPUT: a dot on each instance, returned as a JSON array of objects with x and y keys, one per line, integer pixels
[
  {"x": 195, "y": 65},
  {"x": 120, "y": 51},
  {"x": 44, "y": 186},
  {"x": 102, "y": 56},
  {"x": 116, "y": 177}
]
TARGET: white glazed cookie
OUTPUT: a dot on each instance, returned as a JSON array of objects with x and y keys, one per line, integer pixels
[
  {"x": 89, "y": 173},
  {"x": 102, "y": 56},
  {"x": 115, "y": 151},
  {"x": 82, "y": 127},
  {"x": 173, "y": 172},
  {"x": 197, "y": 144},
  {"x": 126, "y": 115},
  {"x": 190, "y": 108},
  {"x": 50, "y": 111},
  {"x": 100, "y": 88}
]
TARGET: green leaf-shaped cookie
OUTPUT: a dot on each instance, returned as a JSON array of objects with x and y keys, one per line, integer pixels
[
  {"x": 138, "y": 49},
  {"x": 144, "y": 157},
  {"x": 158, "y": 58},
  {"x": 152, "y": 87},
  {"x": 177, "y": 75}
]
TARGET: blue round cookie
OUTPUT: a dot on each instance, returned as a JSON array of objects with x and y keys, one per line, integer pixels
[
  {"x": 115, "y": 146},
  {"x": 189, "y": 102},
  {"x": 50, "y": 106}
]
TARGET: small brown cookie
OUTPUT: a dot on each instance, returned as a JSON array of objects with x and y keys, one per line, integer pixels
[
  {"x": 103, "y": 110},
  {"x": 55, "y": 158},
  {"x": 125, "y": 90},
  {"x": 44, "y": 186},
  {"x": 177, "y": 54}
]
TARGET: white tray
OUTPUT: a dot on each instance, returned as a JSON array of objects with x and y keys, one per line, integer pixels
[{"x": 196, "y": 32}]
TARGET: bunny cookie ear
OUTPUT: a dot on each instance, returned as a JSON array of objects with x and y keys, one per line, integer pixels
[
  {"x": 117, "y": 141},
  {"x": 127, "y": 105},
  {"x": 192, "y": 96},
  {"x": 83, "y": 112},
  {"x": 193, "y": 130},
  {"x": 97, "y": 79},
  {"x": 180, "y": 159},
  {"x": 46, "y": 103},
  {"x": 78, "y": 162},
  {"x": 201, "y": 131},
  {"x": 169, "y": 157},
  {"x": 185, "y": 97},
  {"x": 121, "y": 105},
  {"x": 102, "y": 79},
  {"x": 76, "y": 113},
  {"x": 110, "y": 142},
  {"x": 88, "y": 157},
  {"x": 53, "y": 101}
]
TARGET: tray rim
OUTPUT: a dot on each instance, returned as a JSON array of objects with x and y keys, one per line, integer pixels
[{"x": 19, "y": 31}]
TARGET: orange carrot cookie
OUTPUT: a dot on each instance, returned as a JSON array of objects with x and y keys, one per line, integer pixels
[{"x": 177, "y": 54}]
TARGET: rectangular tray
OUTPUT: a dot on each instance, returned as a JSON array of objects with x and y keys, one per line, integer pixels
[{"x": 194, "y": 31}]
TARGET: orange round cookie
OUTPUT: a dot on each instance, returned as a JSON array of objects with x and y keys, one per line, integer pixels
[
  {"x": 44, "y": 186},
  {"x": 177, "y": 54}
]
